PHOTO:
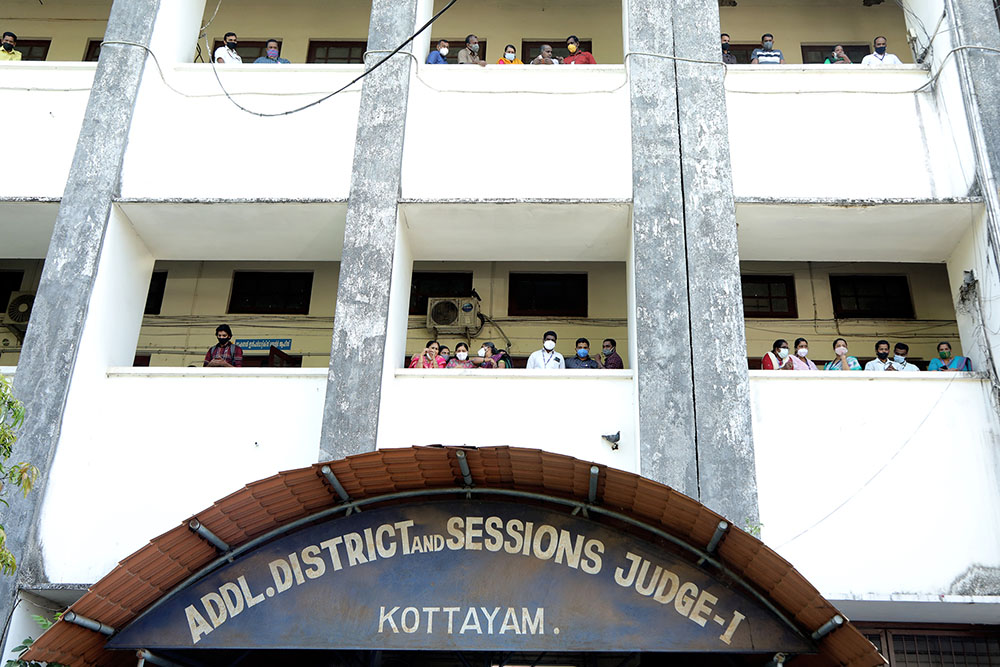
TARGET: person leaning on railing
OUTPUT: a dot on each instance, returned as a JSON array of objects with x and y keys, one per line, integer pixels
[
  {"x": 461, "y": 359},
  {"x": 576, "y": 56},
  {"x": 843, "y": 362},
  {"x": 7, "y": 51},
  {"x": 509, "y": 56},
  {"x": 493, "y": 358},
  {"x": 946, "y": 362},
  {"x": 800, "y": 360},
  {"x": 838, "y": 57},
  {"x": 429, "y": 358},
  {"x": 777, "y": 358}
]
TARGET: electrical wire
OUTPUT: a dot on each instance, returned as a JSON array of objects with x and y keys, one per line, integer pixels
[{"x": 877, "y": 472}]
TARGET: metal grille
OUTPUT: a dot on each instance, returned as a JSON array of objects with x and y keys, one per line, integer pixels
[{"x": 933, "y": 650}]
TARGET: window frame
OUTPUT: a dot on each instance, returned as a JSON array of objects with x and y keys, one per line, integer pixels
[
  {"x": 840, "y": 313},
  {"x": 279, "y": 308},
  {"x": 18, "y": 279},
  {"x": 418, "y": 310},
  {"x": 336, "y": 43},
  {"x": 743, "y": 49},
  {"x": 515, "y": 309},
  {"x": 788, "y": 280},
  {"x": 93, "y": 51},
  {"x": 23, "y": 44}
]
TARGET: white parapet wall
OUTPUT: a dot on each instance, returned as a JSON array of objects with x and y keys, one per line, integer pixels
[
  {"x": 43, "y": 105},
  {"x": 878, "y": 484}
]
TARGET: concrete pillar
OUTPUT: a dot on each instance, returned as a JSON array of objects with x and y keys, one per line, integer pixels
[
  {"x": 658, "y": 267},
  {"x": 61, "y": 310},
  {"x": 361, "y": 318},
  {"x": 727, "y": 478}
]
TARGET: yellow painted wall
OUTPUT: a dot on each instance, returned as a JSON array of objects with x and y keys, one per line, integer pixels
[
  {"x": 70, "y": 24},
  {"x": 932, "y": 305},
  {"x": 797, "y": 22}
]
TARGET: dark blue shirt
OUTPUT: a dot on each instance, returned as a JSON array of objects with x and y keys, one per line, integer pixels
[
  {"x": 435, "y": 58},
  {"x": 577, "y": 362},
  {"x": 264, "y": 60}
]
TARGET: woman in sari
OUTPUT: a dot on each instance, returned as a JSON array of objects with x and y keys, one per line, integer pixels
[
  {"x": 429, "y": 358},
  {"x": 946, "y": 362},
  {"x": 461, "y": 359},
  {"x": 800, "y": 360}
]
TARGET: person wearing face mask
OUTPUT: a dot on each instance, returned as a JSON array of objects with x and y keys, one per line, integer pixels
[
  {"x": 545, "y": 56},
  {"x": 583, "y": 358},
  {"x": 899, "y": 354},
  {"x": 777, "y": 358},
  {"x": 491, "y": 357},
  {"x": 273, "y": 51},
  {"x": 800, "y": 360},
  {"x": 727, "y": 57},
  {"x": 547, "y": 358},
  {"x": 226, "y": 54},
  {"x": 946, "y": 362},
  {"x": 225, "y": 353},
  {"x": 837, "y": 57},
  {"x": 429, "y": 358},
  {"x": 445, "y": 353},
  {"x": 461, "y": 358},
  {"x": 7, "y": 51},
  {"x": 470, "y": 54},
  {"x": 767, "y": 54},
  {"x": 509, "y": 56},
  {"x": 612, "y": 361},
  {"x": 843, "y": 362},
  {"x": 880, "y": 58},
  {"x": 881, "y": 362},
  {"x": 576, "y": 55},
  {"x": 437, "y": 56}
]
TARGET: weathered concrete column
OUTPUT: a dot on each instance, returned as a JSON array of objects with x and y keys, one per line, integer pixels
[
  {"x": 975, "y": 23},
  {"x": 727, "y": 478},
  {"x": 359, "y": 332},
  {"x": 658, "y": 262},
  {"x": 52, "y": 345}
]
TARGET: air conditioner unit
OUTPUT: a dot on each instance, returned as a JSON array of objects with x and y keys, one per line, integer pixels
[
  {"x": 15, "y": 317},
  {"x": 451, "y": 315}
]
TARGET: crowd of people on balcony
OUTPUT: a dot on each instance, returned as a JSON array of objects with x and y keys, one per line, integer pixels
[
  {"x": 780, "y": 358},
  {"x": 767, "y": 54},
  {"x": 470, "y": 55},
  {"x": 435, "y": 356}
]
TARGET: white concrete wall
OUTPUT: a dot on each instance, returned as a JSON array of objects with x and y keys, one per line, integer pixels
[
  {"x": 510, "y": 131},
  {"x": 202, "y": 147},
  {"x": 169, "y": 443},
  {"x": 560, "y": 411},
  {"x": 849, "y": 132},
  {"x": 43, "y": 105},
  {"x": 910, "y": 459}
]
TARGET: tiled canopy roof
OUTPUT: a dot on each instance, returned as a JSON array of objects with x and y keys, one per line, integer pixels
[{"x": 266, "y": 505}]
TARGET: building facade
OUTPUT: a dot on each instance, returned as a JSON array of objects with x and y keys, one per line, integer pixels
[{"x": 691, "y": 212}]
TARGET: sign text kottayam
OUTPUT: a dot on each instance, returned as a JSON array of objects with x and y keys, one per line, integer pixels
[{"x": 465, "y": 575}]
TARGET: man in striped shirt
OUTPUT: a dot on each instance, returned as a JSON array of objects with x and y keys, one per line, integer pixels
[
  {"x": 227, "y": 353},
  {"x": 768, "y": 55}
]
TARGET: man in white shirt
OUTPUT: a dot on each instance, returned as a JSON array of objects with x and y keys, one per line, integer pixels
[
  {"x": 881, "y": 362},
  {"x": 226, "y": 54},
  {"x": 547, "y": 357},
  {"x": 899, "y": 358},
  {"x": 880, "y": 58}
]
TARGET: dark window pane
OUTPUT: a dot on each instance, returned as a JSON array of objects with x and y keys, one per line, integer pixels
[
  {"x": 769, "y": 296},
  {"x": 456, "y": 45},
  {"x": 877, "y": 297},
  {"x": 10, "y": 281},
  {"x": 439, "y": 284},
  {"x": 271, "y": 292},
  {"x": 154, "y": 298},
  {"x": 934, "y": 650},
  {"x": 343, "y": 52},
  {"x": 547, "y": 294},
  {"x": 93, "y": 53},
  {"x": 741, "y": 52},
  {"x": 33, "y": 49}
]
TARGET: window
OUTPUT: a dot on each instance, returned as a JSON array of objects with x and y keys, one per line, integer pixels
[
  {"x": 437, "y": 283},
  {"x": 882, "y": 297},
  {"x": 93, "y": 53},
  {"x": 742, "y": 52},
  {"x": 271, "y": 292},
  {"x": 249, "y": 51},
  {"x": 547, "y": 294},
  {"x": 531, "y": 48},
  {"x": 33, "y": 49},
  {"x": 10, "y": 282},
  {"x": 769, "y": 296},
  {"x": 456, "y": 45},
  {"x": 154, "y": 298},
  {"x": 916, "y": 645},
  {"x": 344, "y": 53},
  {"x": 815, "y": 54}
]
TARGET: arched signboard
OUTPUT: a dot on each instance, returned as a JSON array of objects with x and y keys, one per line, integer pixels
[{"x": 465, "y": 575}]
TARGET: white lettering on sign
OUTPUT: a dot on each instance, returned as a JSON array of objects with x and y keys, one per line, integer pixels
[
  {"x": 476, "y": 620},
  {"x": 516, "y": 537}
]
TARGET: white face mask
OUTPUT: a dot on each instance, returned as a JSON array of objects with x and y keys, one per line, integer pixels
[
  {"x": 899, "y": 360},
  {"x": 462, "y": 356},
  {"x": 783, "y": 352},
  {"x": 549, "y": 345},
  {"x": 443, "y": 50},
  {"x": 482, "y": 352},
  {"x": 840, "y": 351},
  {"x": 509, "y": 56},
  {"x": 803, "y": 352}
]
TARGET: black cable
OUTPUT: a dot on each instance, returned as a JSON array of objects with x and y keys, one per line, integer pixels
[{"x": 339, "y": 90}]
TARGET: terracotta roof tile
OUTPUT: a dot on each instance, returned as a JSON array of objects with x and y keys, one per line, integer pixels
[{"x": 270, "y": 503}]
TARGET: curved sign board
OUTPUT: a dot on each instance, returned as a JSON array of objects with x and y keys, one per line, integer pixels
[{"x": 465, "y": 575}]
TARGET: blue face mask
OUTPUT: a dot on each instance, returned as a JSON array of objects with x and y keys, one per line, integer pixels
[
  {"x": 582, "y": 353},
  {"x": 880, "y": 50}
]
